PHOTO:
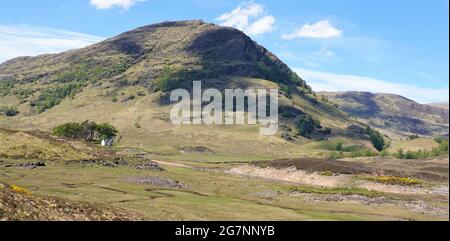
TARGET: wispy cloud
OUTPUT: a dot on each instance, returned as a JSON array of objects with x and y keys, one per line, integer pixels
[
  {"x": 325, "y": 81},
  {"x": 322, "y": 30},
  {"x": 106, "y": 4},
  {"x": 249, "y": 17},
  {"x": 27, "y": 40}
]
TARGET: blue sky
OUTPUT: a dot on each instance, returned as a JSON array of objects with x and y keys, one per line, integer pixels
[{"x": 399, "y": 46}]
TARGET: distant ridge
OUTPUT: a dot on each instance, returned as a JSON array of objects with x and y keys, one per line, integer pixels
[
  {"x": 443, "y": 105},
  {"x": 395, "y": 114}
]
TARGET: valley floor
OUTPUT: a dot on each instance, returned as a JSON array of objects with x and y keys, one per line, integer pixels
[{"x": 206, "y": 190}]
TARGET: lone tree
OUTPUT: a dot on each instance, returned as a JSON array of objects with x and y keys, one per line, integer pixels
[{"x": 376, "y": 138}]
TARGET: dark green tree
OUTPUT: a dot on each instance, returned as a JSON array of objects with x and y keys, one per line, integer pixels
[
  {"x": 106, "y": 131},
  {"x": 376, "y": 138},
  {"x": 88, "y": 131},
  {"x": 339, "y": 146},
  {"x": 70, "y": 130},
  {"x": 306, "y": 126}
]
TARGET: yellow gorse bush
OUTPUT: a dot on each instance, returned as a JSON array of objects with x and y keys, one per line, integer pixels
[
  {"x": 396, "y": 180},
  {"x": 327, "y": 173},
  {"x": 20, "y": 190}
]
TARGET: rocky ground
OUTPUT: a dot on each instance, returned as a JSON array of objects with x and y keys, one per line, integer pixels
[{"x": 18, "y": 204}]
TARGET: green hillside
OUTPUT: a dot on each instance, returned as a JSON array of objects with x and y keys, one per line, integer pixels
[{"x": 126, "y": 80}]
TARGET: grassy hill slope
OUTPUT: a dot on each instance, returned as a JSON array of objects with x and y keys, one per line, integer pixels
[{"x": 125, "y": 81}]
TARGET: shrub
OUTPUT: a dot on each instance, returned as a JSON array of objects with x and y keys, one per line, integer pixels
[
  {"x": 391, "y": 180},
  {"x": 23, "y": 94},
  {"x": 444, "y": 146},
  {"x": 421, "y": 154},
  {"x": 295, "y": 79},
  {"x": 399, "y": 154},
  {"x": 286, "y": 89},
  {"x": 384, "y": 153},
  {"x": 306, "y": 126},
  {"x": 334, "y": 155},
  {"x": 52, "y": 97},
  {"x": 363, "y": 153},
  {"x": 6, "y": 87},
  {"x": 9, "y": 111},
  {"x": 114, "y": 99},
  {"x": 93, "y": 71},
  {"x": 339, "y": 146},
  {"x": 412, "y": 155},
  {"x": 327, "y": 173},
  {"x": 18, "y": 189},
  {"x": 170, "y": 79},
  {"x": 439, "y": 140}
]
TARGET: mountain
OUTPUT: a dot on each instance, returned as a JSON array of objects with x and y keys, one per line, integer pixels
[
  {"x": 125, "y": 81},
  {"x": 185, "y": 50},
  {"x": 394, "y": 114}
]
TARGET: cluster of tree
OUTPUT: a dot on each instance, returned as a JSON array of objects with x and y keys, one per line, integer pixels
[
  {"x": 9, "y": 111},
  {"x": 23, "y": 94},
  {"x": 6, "y": 87},
  {"x": 376, "y": 138},
  {"x": 94, "y": 71},
  {"x": 172, "y": 78},
  {"x": 52, "y": 97},
  {"x": 169, "y": 79},
  {"x": 71, "y": 81},
  {"x": 88, "y": 131}
]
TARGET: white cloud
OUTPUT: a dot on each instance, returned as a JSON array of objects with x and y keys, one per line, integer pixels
[
  {"x": 26, "y": 40},
  {"x": 249, "y": 17},
  {"x": 324, "y": 81},
  {"x": 262, "y": 25},
  {"x": 105, "y": 4},
  {"x": 321, "y": 29}
]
